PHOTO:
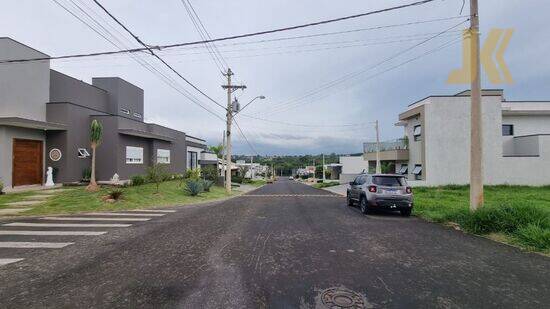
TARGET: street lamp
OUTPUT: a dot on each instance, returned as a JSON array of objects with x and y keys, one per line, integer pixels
[{"x": 261, "y": 97}]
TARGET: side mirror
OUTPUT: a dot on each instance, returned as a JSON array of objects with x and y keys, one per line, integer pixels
[{"x": 352, "y": 183}]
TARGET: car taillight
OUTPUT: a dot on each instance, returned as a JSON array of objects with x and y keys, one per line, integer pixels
[
  {"x": 409, "y": 190},
  {"x": 372, "y": 189}
]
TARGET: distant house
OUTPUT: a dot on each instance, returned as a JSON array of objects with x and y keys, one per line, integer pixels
[
  {"x": 436, "y": 147},
  {"x": 45, "y": 118}
]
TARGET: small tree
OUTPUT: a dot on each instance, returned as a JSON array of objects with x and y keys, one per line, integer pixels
[
  {"x": 243, "y": 170},
  {"x": 156, "y": 174},
  {"x": 218, "y": 150},
  {"x": 96, "y": 131}
]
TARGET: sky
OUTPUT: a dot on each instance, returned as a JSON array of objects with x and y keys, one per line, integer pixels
[{"x": 323, "y": 92}]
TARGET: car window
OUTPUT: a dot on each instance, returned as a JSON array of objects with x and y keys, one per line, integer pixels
[
  {"x": 357, "y": 180},
  {"x": 389, "y": 181}
]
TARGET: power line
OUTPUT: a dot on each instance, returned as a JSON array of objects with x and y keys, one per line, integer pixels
[
  {"x": 155, "y": 55},
  {"x": 245, "y": 138},
  {"x": 326, "y": 86},
  {"x": 169, "y": 81},
  {"x": 199, "y": 26},
  {"x": 233, "y": 37}
]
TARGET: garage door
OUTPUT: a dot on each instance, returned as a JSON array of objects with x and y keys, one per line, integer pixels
[{"x": 27, "y": 162}]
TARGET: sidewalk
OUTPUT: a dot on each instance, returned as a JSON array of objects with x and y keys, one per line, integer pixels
[{"x": 339, "y": 189}]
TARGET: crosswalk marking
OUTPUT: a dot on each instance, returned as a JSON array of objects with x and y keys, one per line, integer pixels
[
  {"x": 9, "y": 261},
  {"x": 32, "y": 245},
  {"x": 93, "y": 219},
  {"x": 152, "y": 210},
  {"x": 66, "y": 224},
  {"x": 52, "y": 233},
  {"x": 124, "y": 214}
]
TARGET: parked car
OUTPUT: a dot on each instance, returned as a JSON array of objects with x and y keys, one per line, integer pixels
[
  {"x": 381, "y": 191},
  {"x": 290, "y": 178}
]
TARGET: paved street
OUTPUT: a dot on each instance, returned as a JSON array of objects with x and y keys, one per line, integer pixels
[{"x": 279, "y": 246}]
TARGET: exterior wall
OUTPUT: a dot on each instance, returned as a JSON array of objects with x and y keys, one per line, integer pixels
[
  {"x": 7, "y": 134},
  {"x": 77, "y": 118},
  {"x": 24, "y": 87},
  {"x": 64, "y": 88},
  {"x": 519, "y": 160},
  {"x": 353, "y": 165},
  {"x": 447, "y": 135},
  {"x": 121, "y": 94}
]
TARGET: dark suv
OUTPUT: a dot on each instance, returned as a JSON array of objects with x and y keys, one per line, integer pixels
[{"x": 381, "y": 191}]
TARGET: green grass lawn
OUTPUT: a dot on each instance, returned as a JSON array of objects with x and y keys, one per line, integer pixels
[
  {"x": 256, "y": 182},
  {"x": 321, "y": 185},
  {"x": 144, "y": 196},
  {"x": 515, "y": 214},
  {"x": 13, "y": 197}
]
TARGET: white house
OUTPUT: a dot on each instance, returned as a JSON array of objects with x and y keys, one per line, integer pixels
[{"x": 436, "y": 147}]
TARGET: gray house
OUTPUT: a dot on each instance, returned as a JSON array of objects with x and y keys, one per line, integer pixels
[{"x": 45, "y": 118}]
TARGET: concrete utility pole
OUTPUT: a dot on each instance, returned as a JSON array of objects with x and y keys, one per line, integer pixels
[
  {"x": 324, "y": 178},
  {"x": 224, "y": 166},
  {"x": 230, "y": 88},
  {"x": 476, "y": 121},
  {"x": 378, "y": 167}
]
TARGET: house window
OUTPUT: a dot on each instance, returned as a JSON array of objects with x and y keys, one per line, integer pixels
[
  {"x": 137, "y": 115},
  {"x": 134, "y": 155},
  {"x": 507, "y": 130},
  {"x": 192, "y": 160},
  {"x": 417, "y": 172},
  {"x": 83, "y": 153},
  {"x": 125, "y": 111},
  {"x": 163, "y": 156},
  {"x": 404, "y": 169},
  {"x": 417, "y": 133}
]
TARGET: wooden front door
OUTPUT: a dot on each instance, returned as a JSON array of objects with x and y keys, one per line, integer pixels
[{"x": 27, "y": 162}]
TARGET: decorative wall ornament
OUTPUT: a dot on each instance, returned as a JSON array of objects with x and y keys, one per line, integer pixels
[{"x": 55, "y": 154}]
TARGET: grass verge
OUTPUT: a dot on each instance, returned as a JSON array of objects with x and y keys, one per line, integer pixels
[
  {"x": 79, "y": 200},
  {"x": 326, "y": 184},
  {"x": 519, "y": 215}
]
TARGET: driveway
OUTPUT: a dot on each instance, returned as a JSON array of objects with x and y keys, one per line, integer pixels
[{"x": 285, "y": 245}]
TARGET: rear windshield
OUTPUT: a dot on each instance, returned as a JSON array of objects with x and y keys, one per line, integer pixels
[{"x": 389, "y": 181}]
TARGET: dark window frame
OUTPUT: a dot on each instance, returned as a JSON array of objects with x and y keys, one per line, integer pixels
[{"x": 510, "y": 132}]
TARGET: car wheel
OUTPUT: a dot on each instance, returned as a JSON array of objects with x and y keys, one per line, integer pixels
[
  {"x": 406, "y": 212},
  {"x": 349, "y": 200},
  {"x": 363, "y": 205}
]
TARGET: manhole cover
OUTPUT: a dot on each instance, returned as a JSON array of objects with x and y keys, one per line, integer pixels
[{"x": 339, "y": 297}]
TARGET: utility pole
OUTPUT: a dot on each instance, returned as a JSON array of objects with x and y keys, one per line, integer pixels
[
  {"x": 476, "y": 120},
  {"x": 324, "y": 178},
  {"x": 224, "y": 166},
  {"x": 230, "y": 89},
  {"x": 378, "y": 167}
]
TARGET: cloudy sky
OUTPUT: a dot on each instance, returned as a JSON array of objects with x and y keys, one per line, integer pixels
[{"x": 323, "y": 90}]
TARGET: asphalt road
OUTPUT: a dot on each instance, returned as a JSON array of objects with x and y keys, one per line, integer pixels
[{"x": 280, "y": 246}]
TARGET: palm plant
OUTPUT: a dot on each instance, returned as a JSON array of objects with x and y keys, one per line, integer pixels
[{"x": 96, "y": 131}]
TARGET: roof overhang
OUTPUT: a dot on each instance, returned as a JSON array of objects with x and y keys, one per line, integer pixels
[
  {"x": 145, "y": 134},
  {"x": 32, "y": 124}
]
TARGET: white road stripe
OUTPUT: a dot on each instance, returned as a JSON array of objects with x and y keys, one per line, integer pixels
[
  {"x": 9, "y": 261},
  {"x": 93, "y": 219},
  {"x": 152, "y": 210},
  {"x": 52, "y": 233},
  {"x": 66, "y": 224},
  {"x": 123, "y": 214},
  {"x": 32, "y": 245}
]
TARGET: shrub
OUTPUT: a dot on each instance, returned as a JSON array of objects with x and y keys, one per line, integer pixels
[
  {"x": 86, "y": 174},
  {"x": 1, "y": 187},
  {"x": 504, "y": 218},
  {"x": 534, "y": 236},
  {"x": 138, "y": 180},
  {"x": 116, "y": 194},
  {"x": 206, "y": 184},
  {"x": 237, "y": 179},
  {"x": 194, "y": 174},
  {"x": 193, "y": 187},
  {"x": 156, "y": 174},
  {"x": 210, "y": 172}
]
